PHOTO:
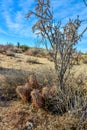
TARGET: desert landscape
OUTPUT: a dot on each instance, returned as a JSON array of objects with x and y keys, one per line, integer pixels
[
  {"x": 15, "y": 67},
  {"x": 43, "y": 65}
]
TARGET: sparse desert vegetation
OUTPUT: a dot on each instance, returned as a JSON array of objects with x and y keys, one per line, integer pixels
[
  {"x": 43, "y": 89},
  {"x": 49, "y": 108}
]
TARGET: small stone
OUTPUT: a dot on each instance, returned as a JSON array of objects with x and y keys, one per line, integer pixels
[{"x": 29, "y": 125}]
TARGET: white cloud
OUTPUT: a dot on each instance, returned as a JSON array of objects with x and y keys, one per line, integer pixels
[
  {"x": 66, "y": 9},
  {"x": 15, "y": 21}
]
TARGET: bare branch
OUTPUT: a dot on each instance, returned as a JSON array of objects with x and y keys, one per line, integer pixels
[{"x": 85, "y": 2}]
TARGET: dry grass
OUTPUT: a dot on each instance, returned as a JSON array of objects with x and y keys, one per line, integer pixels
[
  {"x": 16, "y": 115},
  {"x": 37, "y": 52}
]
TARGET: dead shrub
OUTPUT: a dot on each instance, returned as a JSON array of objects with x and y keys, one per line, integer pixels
[
  {"x": 54, "y": 100},
  {"x": 71, "y": 98},
  {"x": 36, "y": 52},
  {"x": 85, "y": 61},
  {"x": 10, "y": 53},
  {"x": 76, "y": 96},
  {"x": 32, "y": 61},
  {"x": 50, "y": 59},
  {"x": 4, "y": 48},
  {"x": 17, "y": 50},
  {"x": 8, "y": 85}
]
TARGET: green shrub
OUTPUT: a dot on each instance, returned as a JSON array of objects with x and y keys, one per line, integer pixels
[{"x": 24, "y": 47}]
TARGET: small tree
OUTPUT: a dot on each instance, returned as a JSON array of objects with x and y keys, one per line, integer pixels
[{"x": 61, "y": 39}]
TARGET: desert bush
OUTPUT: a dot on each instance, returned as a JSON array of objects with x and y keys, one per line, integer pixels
[
  {"x": 30, "y": 52},
  {"x": 85, "y": 61},
  {"x": 17, "y": 50},
  {"x": 8, "y": 85},
  {"x": 54, "y": 100},
  {"x": 2, "y": 49},
  {"x": 36, "y": 52},
  {"x": 10, "y": 53},
  {"x": 9, "y": 47},
  {"x": 46, "y": 76},
  {"x": 72, "y": 98},
  {"x": 32, "y": 61},
  {"x": 50, "y": 58},
  {"x": 24, "y": 47},
  {"x": 6, "y": 48},
  {"x": 76, "y": 92}
]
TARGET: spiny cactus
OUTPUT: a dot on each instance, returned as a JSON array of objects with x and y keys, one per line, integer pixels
[
  {"x": 24, "y": 92},
  {"x": 45, "y": 91},
  {"x": 32, "y": 80},
  {"x": 37, "y": 99}
]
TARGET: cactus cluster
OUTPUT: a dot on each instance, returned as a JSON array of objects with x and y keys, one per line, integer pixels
[{"x": 33, "y": 92}]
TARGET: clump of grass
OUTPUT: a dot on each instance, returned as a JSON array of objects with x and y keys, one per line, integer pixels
[
  {"x": 85, "y": 61},
  {"x": 5, "y": 48},
  {"x": 36, "y": 52},
  {"x": 72, "y": 98},
  {"x": 10, "y": 53},
  {"x": 8, "y": 86},
  {"x": 32, "y": 61}
]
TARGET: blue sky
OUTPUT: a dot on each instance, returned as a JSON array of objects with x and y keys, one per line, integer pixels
[{"x": 15, "y": 28}]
